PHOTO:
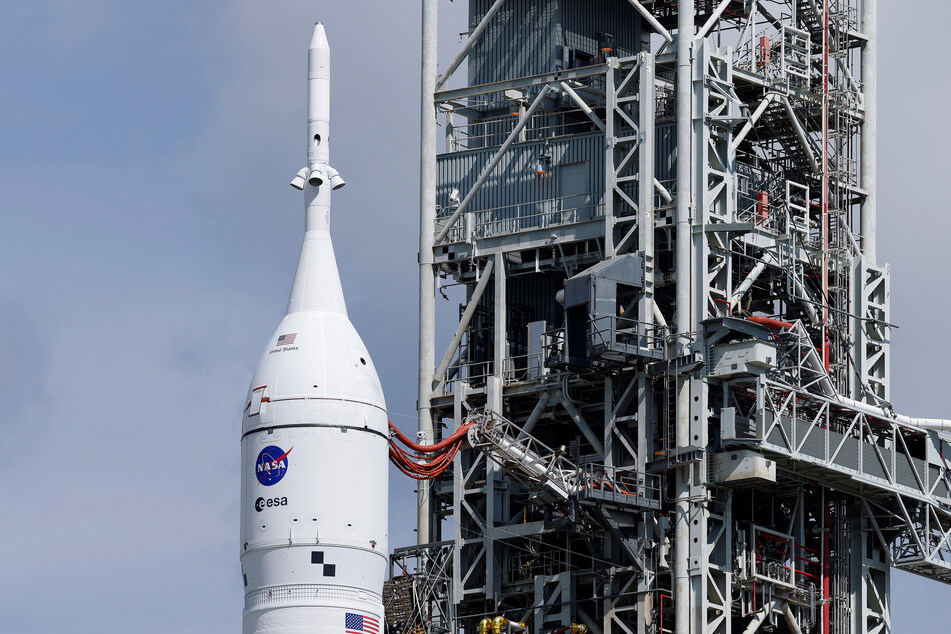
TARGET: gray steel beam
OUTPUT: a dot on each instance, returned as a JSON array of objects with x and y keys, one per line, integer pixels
[
  {"x": 760, "y": 109},
  {"x": 610, "y": 171},
  {"x": 439, "y": 376},
  {"x": 801, "y": 134},
  {"x": 712, "y": 20},
  {"x": 501, "y": 319},
  {"x": 473, "y": 39},
  {"x": 747, "y": 283},
  {"x": 536, "y": 414},
  {"x": 581, "y": 423},
  {"x": 467, "y": 92},
  {"x": 651, "y": 20},
  {"x": 581, "y": 103}
]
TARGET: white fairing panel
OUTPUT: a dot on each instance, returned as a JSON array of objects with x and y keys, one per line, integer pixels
[
  {"x": 314, "y": 483},
  {"x": 314, "y": 444}
]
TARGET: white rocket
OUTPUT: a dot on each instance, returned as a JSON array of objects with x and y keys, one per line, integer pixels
[{"x": 314, "y": 441}]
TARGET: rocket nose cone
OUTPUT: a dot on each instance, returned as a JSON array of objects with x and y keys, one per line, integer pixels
[{"x": 319, "y": 40}]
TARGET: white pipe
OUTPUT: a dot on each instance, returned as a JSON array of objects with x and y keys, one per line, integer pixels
[
  {"x": 791, "y": 618},
  {"x": 662, "y": 191},
  {"x": 438, "y": 377},
  {"x": 747, "y": 283},
  {"x": 854, "y": 85},
  {"x": 585, "y": 108},
  {"x": 712, "y": 20},
  {"x": 684, "y": 163},
  {"x": 427, "y": 223},
  {"x": 652, "y": 20},
  {"x": 487, "y": 171},
  {"x": 801, "y": 133},
  {"x": 760, "y": 109},
  {"x": 759, "y": 617},
  {"x": 474, "y": 38},
  {"x": 869, "y": 129},
  {"x": 659, "y": 316},
  {"x": 816, "y": 365},
  {"x": 686, "y": 12},
  {"x": 807, "y": 302}
]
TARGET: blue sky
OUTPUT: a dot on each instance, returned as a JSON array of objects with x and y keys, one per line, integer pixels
[{"x": 145, "y": 151}]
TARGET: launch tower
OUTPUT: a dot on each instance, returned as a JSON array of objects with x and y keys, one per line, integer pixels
[{"x": 674, "y": 351}]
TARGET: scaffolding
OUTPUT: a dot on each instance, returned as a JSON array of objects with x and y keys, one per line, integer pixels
[{"x": 673, "y": 357}]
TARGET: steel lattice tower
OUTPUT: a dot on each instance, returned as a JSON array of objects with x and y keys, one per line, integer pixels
[{"x": 675, "y": 342}]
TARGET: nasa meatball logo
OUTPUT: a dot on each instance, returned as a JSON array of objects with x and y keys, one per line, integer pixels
[{"x": 271, "y": 465}]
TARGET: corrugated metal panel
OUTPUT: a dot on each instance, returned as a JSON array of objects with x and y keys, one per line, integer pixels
[
  {"x": 526, "y": 37},
  {"x": 527, "y": 299},
  {"x": 538, "y": 293},
  {"x": 587, "y": 21},
  {"x": 518, "y": 42},
  {"x": 516, "y": 193},
  {"x": 665, "y": 160},
  {"x": 516, "y": 198}
]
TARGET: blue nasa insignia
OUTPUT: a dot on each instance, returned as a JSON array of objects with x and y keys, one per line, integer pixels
[{"x": 271, "y": 465}]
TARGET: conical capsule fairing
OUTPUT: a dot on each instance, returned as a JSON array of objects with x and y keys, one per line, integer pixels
[{"x": 314, "y": 441}]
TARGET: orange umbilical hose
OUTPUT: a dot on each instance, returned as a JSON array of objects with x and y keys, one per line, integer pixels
[
  {"x": 423, "y": 465},
  {"x": 775, "y": 324},
  {"x": 429, "y": 448}
]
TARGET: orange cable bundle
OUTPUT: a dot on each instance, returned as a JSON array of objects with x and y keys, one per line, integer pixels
[{"x": 427, "y": 461}]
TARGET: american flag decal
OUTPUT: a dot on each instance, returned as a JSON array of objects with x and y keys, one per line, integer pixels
[
  {"x": 359, "y": 624},
  {"x": 286, "y": 340}
]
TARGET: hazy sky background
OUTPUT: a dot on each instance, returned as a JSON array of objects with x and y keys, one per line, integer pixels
[{"x": 150, "y": 242}]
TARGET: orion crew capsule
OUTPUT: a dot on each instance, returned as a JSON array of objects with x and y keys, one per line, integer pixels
[{"x": 314, "y": 441}]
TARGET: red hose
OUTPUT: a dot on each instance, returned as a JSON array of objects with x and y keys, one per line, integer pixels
[
  {"x": 423, "y": 465},
  {"x": 775, "y": 324},
  {"x": 423, "y": 471},
  {"x": 429, "y": 448}
]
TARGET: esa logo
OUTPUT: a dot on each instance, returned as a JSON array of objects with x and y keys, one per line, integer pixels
[
  {"x": 271, "y": 465},
  {"x": 260, "y": 504}
]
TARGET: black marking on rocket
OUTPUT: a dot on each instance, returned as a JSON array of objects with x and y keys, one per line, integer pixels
[{"x": 317, "y": 557}]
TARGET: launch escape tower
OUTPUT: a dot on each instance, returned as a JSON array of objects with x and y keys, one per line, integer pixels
[{"x": 674, "y": 355}]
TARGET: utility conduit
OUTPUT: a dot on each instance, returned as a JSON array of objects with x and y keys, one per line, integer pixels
[
  {"x": 420, "y": 466},
  {"x": 815, "y": 364}
]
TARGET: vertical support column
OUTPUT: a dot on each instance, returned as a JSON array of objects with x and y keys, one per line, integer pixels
[
  {"x": 826, "y": 562},
  {"x": 869, "y": 578},
  {"x": 495, "y": 386},
  {"x": 501, "y": 317},
  {"x": 427, "y": 227},
  {"x": 645, "y": 314},
  {"x": 646, "y": 414},
  {"x": 869, "y": 127},
  {"x": 449, "y": 131},
  {"x": 458, "y": 494},
  {"x": 609, "y": 421},
  {"x": 645, "y": 185},
  {"x": 685, "y": 30},
  {"x": 610, "y": 175}
]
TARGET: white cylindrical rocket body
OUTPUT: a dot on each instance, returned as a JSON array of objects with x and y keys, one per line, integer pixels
[{"x": 314, "y": 441}]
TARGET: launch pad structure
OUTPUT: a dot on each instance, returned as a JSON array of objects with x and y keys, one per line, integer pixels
[{"x": 673, "y": 359}]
